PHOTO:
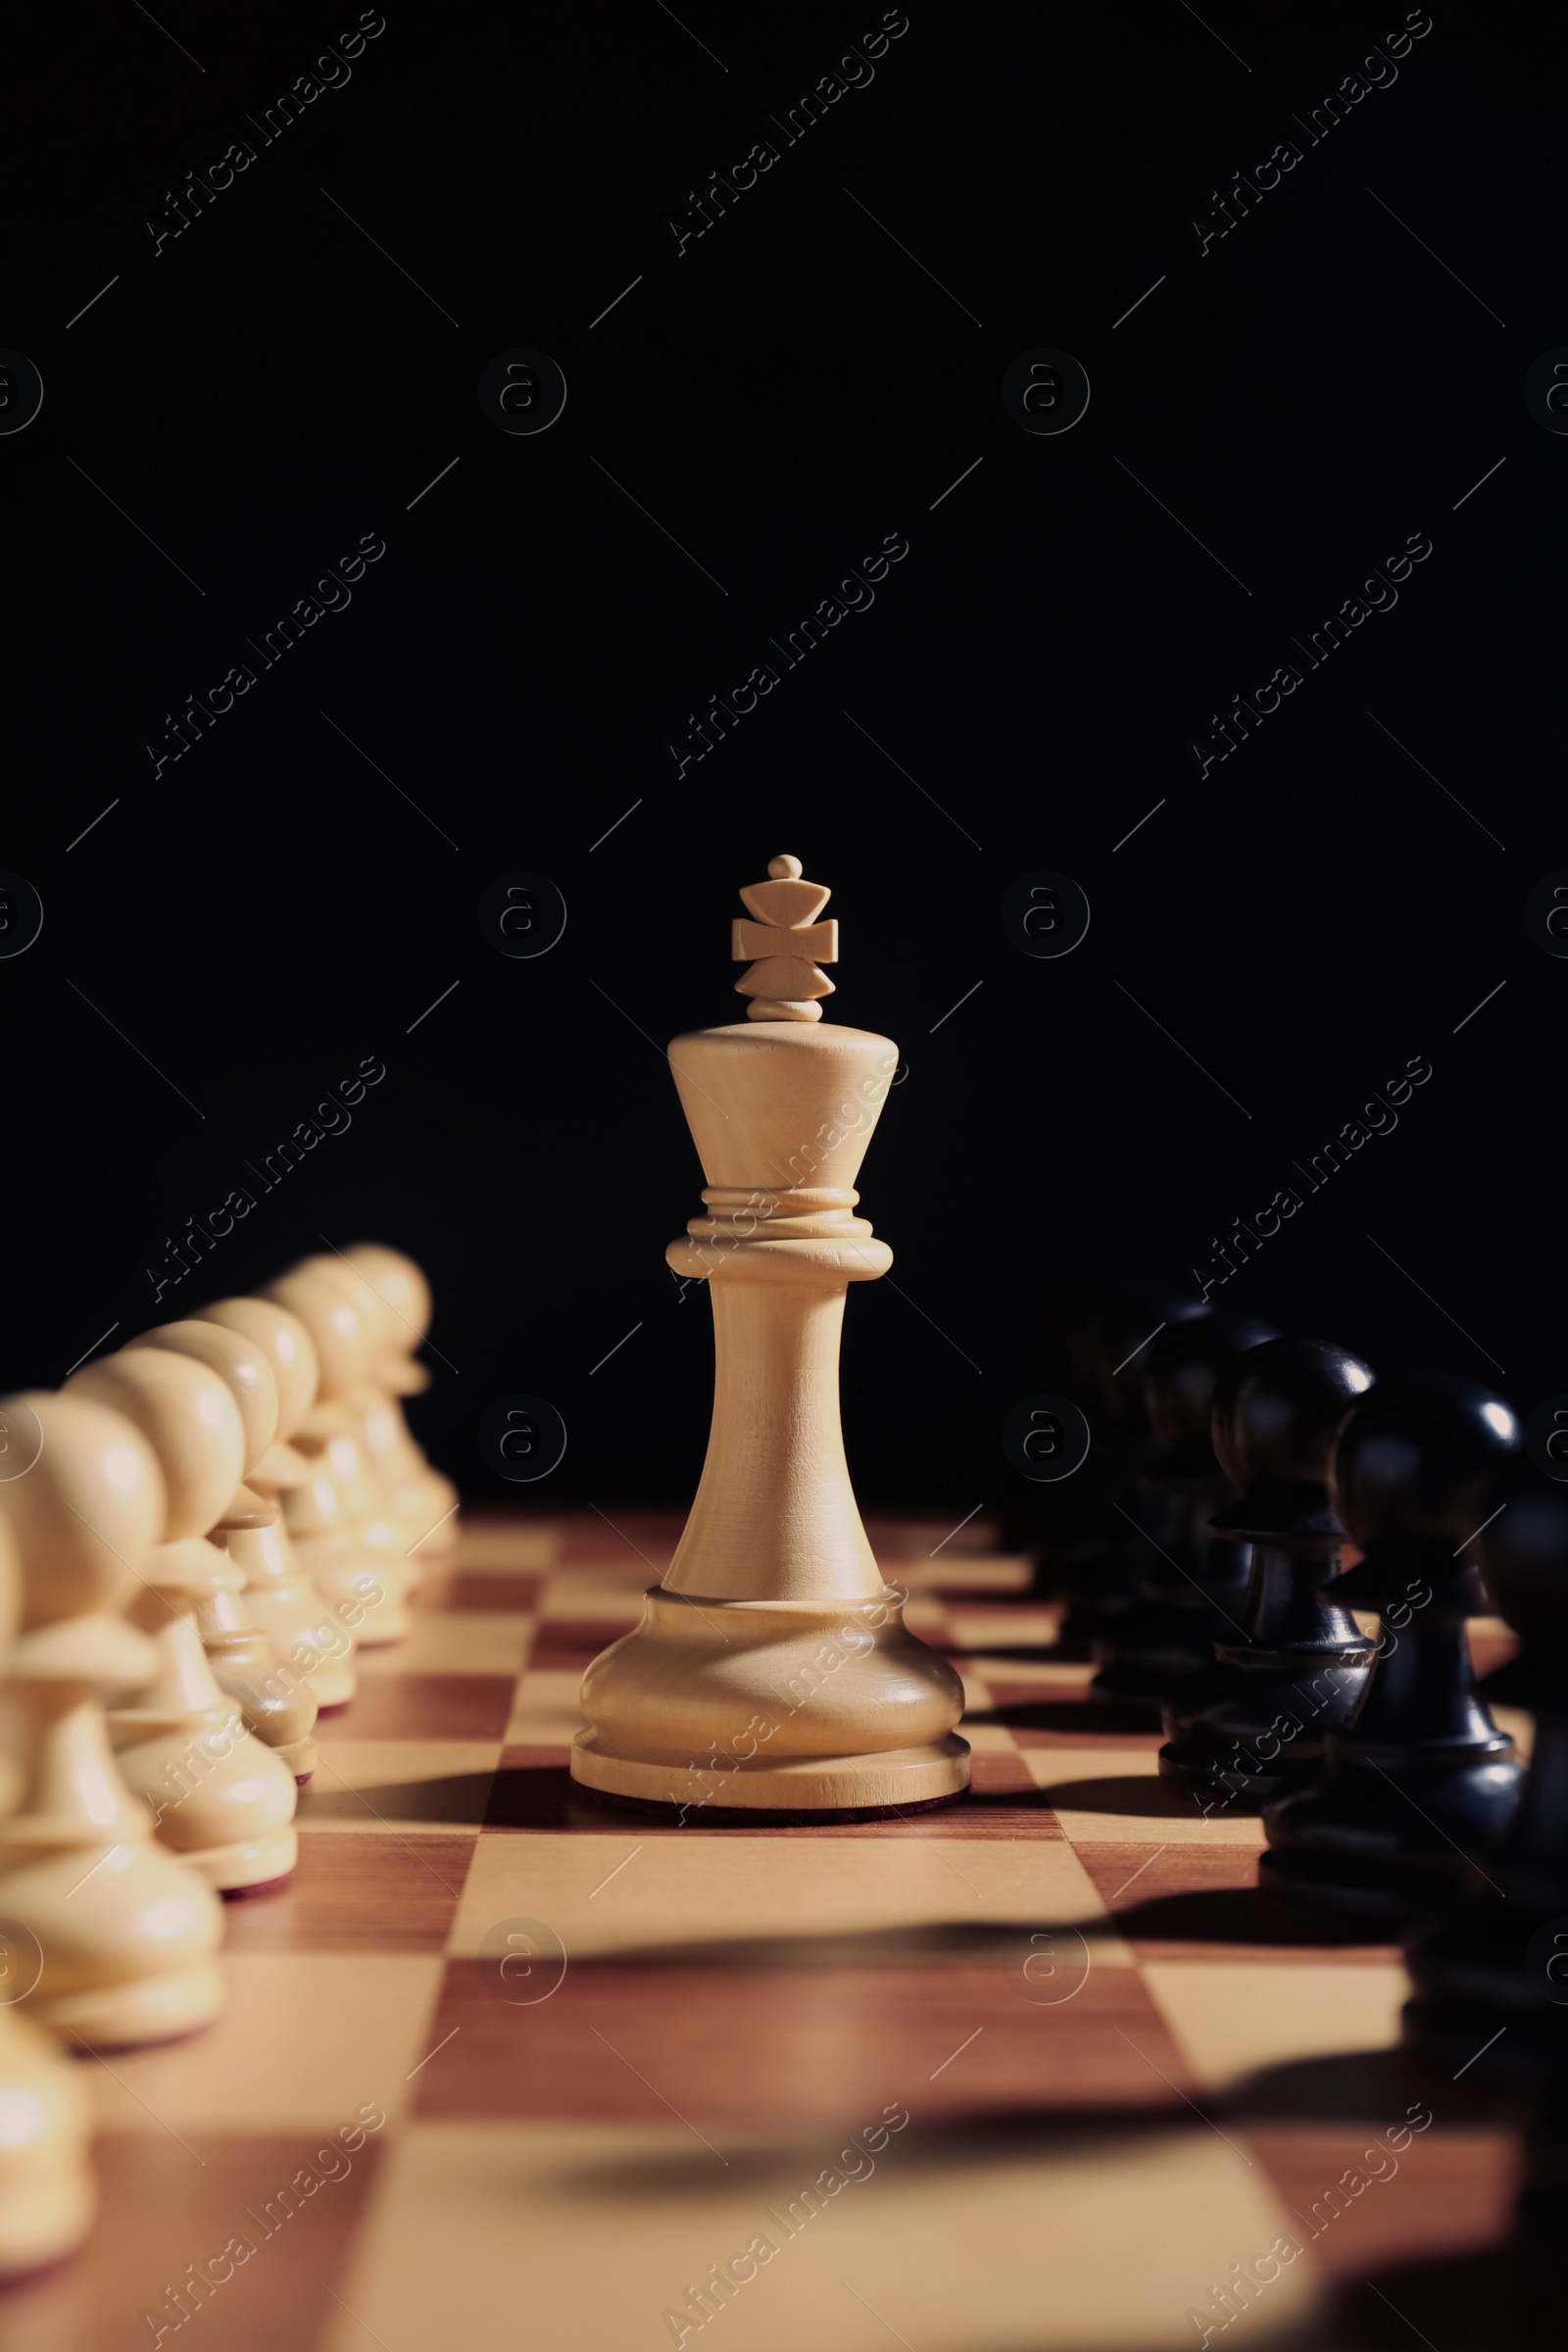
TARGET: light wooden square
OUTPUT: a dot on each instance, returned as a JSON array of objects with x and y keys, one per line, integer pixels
[{"x": 1148, "y": 1818}]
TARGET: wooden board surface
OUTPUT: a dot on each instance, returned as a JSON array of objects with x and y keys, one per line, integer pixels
[{"x": 1125, "y": 2072}]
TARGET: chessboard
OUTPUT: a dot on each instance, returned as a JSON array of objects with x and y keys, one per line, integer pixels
[{"x": 506, "y": 2066}]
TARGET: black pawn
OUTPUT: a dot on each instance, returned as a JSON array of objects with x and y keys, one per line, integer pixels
[
  {"x": 1191, "y": 1594},
  {"x": 1421, "y": 1777},
  {"x": 1495, "y": 1971},
  {"x": 1243, "y": 1733},
  {"x": 1088, "y": 1349}
]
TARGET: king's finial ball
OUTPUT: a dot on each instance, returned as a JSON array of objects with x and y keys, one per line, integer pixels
[{"x": 784, "y": 869}]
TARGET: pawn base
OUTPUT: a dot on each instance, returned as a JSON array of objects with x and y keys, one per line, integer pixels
[
  {"x": 248, "y": 1862},
  {"x": 1484, "y": 1965},
  {"x": 1390, "y": 1844},
  {"x": 1193, "y": 1765},
  {"x": 43, "y": 2221},
  {"x": 137, "y": 2013},
  {"x": 1378, "y": 1893},
  {"x": 334, "y": 1684},
  {"x": 931, "y": 1773}
]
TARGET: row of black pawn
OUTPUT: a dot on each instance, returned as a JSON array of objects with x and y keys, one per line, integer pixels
[{"x": 1199, "y": 1551}]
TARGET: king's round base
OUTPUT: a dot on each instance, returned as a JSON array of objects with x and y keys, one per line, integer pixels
[{"x": 900, "y": 1778}]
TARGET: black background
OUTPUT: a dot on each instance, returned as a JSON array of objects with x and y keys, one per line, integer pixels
[{"x": 268, "y": 911}]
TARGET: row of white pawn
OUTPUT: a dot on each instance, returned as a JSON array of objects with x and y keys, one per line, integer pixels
[{"x": 196, "y": 1536}]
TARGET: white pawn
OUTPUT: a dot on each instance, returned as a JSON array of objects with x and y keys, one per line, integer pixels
[
  {"x": 350, "y": 1540},
  {"x": 313, "y": 1634},
  {"x": 127, "y": 1933},
  {"x": 422, "y": 1497},
  {"x": 222, "y": 1800},
  {"x": 274, "y": 1700},
  {"x": 47, "y": 2193}
]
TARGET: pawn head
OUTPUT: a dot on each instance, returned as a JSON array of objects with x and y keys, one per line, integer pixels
[
  {"x": 1104, "y": 1334},
  {"x": 342, "y": 1317},
  {"x": 187, "y": 1415},
  {"x": 405, "y": 1298},
  {"x": 239, "y": 1361},
  {"x": 1524, "y": 1553},
  {"x": 1276, "y": 1409},
  {"x": 1182, "y": 1370},
  {"x": 287, "y": 1347},
  {"x": 1416, "y": 1458},
  {"x": 88, "y": 1510}
]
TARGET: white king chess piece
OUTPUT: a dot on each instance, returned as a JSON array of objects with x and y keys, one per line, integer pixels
[{"x": 772, "y": 1671}]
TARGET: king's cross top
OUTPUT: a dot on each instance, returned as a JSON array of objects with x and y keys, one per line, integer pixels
[{"x": 784, "y": 946}]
